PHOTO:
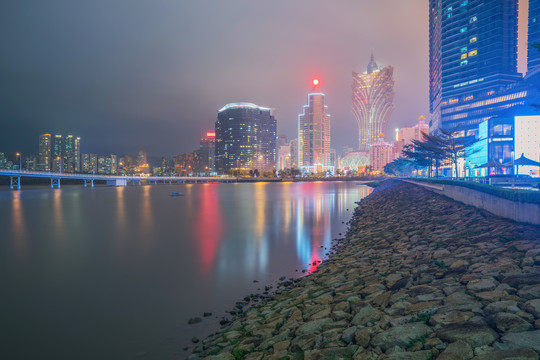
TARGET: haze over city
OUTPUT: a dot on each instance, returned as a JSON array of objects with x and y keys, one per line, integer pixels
[{"x": 130, "y": 75}]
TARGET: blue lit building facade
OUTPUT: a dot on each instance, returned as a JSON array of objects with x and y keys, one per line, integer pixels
[
  {"x": 245, "y": 138},
  {"x": 533, "y": 54},
  {"x": 473, "y": 63}
]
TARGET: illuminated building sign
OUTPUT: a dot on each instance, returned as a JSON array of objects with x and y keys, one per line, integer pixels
[{"x": 211, "y": 134}]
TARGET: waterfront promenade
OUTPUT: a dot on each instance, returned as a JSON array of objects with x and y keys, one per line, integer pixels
[{"x": 418, "y": 276}]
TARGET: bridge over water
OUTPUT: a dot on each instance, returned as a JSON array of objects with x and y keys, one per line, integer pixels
[{"x": 111, "y": 180}]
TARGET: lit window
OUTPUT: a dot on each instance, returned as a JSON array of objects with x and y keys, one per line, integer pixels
[
  {"x": 462, "y": 30},
  {"x": 465, "y": 2},
  {"x": 473, "y": 19},
  {"x": 472, "y": 40},
  {"x": 463, "y": 56},
  {"x": 464, "y": 49},
  {"x": 463, "y": 63},
  {"x": 473, "y": 53}
]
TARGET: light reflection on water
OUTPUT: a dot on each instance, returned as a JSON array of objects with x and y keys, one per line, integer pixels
[{"x": 112, "y": 272}]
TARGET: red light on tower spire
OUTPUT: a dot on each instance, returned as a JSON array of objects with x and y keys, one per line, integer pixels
[{"x": 315, "y": 82}]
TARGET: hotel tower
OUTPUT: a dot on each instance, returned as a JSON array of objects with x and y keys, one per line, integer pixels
[{"x": 372, "y": 98}]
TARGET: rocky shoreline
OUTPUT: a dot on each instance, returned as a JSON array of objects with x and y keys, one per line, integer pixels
[{"x": 418, "y": 276}]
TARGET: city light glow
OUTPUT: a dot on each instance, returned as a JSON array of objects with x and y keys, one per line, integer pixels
[{"x": 315, "y": 82}]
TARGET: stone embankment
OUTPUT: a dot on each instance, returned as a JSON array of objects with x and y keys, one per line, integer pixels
[{"x": 418, "y": 276}]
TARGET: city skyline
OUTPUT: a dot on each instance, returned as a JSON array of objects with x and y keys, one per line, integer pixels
[{"x": 161, "y": 83}]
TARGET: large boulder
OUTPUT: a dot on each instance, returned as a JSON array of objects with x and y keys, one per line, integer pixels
[
  {"x": 400, "y": 335},
  {"x": 475, "y": 334},
  {"x": 514, "y": 354},
  {"x": 458, "y": 350},
  {"x": 526, "y": 339}
]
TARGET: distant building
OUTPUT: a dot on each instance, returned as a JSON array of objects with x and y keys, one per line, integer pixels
[
  {"x": 405, "y": 135},
  {"x": 380, "y": 154},
  {"x": 165, "y": 168},
  {"x": 294, "y": 153},
  {"x": 354, "y": 161},
  {"x": 372, "y": 97},
  {"x": 31, "y": 163},
  {"x": 245, "y": 138},
  {"x": 284, "y": 157},
  {"x": 142, "y": 158},
  {"x": 142, "y": 163},
  {"x": 45, "y": 162},
  {"x": 58, "y": 164},
  {"x": 314, "y": 135},
  {"x": 58, "y": 147},
  {"x": 126, "y": 165},
  {"x": 89, "y": 163},
  {"x": 3, "y": 161},
  {"x": 183, "y": 164},
  {"x": 204, "y": 157},
  {"x": 281, "y": 140}
]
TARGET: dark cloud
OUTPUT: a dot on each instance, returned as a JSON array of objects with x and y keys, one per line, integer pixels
[{"x": 132, "y": 74}]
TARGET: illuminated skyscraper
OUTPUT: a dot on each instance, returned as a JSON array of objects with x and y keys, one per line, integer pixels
[
  {"x": 314, "y": 133},
  {"x": 72, "y": 154},
  {"x": 372, "y": 97},
  {"x": 473, "y": 62},
  {"x": 533, "y": 60},
  {"x": 245, "y": 137},
  {"x": 44, "y": 163}
]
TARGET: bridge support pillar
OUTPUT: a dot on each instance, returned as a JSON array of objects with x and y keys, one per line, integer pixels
[
  {"x": 15, "y": 181},
  {"x": 55, "y": 181}
]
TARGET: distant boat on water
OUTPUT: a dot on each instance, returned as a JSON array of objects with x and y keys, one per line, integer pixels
[{"x": 174, "y": 193}]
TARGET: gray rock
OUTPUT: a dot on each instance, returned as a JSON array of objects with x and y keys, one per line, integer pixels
[
  {"x": 312, "y": 327},
  {"x": 532, "y": 307},
  {"x": 331, "y": 353},
  {"x": 475, "y": 334},
  {"x": 514, "y": 354},
  {"x": 348, "y": 334},
  {"x": 362, "y": 337},
  {"x": 486, "y": 284},
  {"x": 509, "y": 322},
  {"x": 530, "y": 292},
  {"x": 522, "y": 279},
  {"x": 458, "y": 350},
  {"x": 222, "y": 356},
  {"x": 413, "y": 355},
  {"x": 366, "y": 315},
  {"x": 400, "y": 335},
  {"x": 499, "y": 306},
  {"x": 526, "y": 339}
]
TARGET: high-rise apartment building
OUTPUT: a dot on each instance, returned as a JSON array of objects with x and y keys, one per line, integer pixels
[
  {"x": 44, "y": 163},
  {"x": 314, "y": 134},
  {"x": 473, "y": 62},
  {"x": 372, "y": 98},
  {"x": 245, "y": 137},
  {"x": 533, "y": 53},
  {"x": 206, "y": 154}
]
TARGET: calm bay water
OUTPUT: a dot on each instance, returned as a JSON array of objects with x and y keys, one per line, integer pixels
[{"x": 115, "y": 273}]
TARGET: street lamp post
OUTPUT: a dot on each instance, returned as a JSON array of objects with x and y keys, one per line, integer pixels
[
  {"x": 20, "y": 161},
  {"x": 513, "y": 170}
]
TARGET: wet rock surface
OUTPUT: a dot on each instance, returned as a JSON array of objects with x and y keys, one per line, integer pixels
[{"x": 418, "y": 276}]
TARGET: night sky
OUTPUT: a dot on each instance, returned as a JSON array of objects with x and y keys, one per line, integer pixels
[{"x": 125, "y": 75}]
